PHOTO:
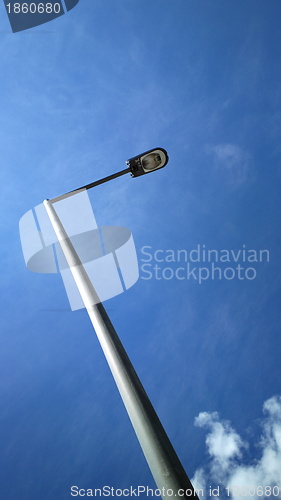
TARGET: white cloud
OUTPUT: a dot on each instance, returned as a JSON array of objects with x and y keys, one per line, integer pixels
[
  {"x": 231, "y": 161},
  {"x": 199, "y": 480},
  {"x": 223, "y": 443},
  {"x": 245, "y": 481}
]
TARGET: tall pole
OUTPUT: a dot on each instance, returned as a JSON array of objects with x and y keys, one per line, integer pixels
[{"x": 161, "y": 457}]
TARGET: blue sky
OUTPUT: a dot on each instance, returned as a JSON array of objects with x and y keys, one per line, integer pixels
[{"x": 79, "y": 96}]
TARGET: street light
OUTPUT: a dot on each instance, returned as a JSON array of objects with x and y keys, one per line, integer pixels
[
  {"x": 138, "y": 165},
  {"x": 148, "y": 162},
  {"x": 162, "y": 459}
]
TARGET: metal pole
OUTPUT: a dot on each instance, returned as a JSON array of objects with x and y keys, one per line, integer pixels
[
  {"x": 162, "y": 459},
  {"x": 91, "y": 185}
]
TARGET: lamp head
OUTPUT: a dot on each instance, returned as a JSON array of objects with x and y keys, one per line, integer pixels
[{"x": 148, "y": 162}]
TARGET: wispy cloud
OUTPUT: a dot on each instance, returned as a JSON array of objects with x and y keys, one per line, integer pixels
[
  {"x": 225, "y": 468},
  {"x": 223, "y": 443},
  {"x": 232, "y": 162}
]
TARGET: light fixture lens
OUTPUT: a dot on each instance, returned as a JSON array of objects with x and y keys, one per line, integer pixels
[
  {"x": 151, "y": 162},
  {"x": 148, "y": 161}
]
